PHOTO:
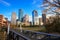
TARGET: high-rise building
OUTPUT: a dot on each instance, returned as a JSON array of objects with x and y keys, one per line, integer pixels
[
  {"x": 26, "y": 20},
  {"x": 17, "y": 22},
  {"x": 20, "y": 15},
  {"x": 35, "y": 17},
  {"x": 40, "y": 21},
  {"x": 13, "y": 18},
  {"x": 3, "y": 21},
  {"x": 44, "y": 17}
]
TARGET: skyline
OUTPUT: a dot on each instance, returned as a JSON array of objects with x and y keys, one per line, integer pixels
[{"x": 9, "y": 6}]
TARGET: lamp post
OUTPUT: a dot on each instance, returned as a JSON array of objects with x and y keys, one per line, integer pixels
[
  {"x": 8, "y": 29},
  {"x": 20, "y": 27}
]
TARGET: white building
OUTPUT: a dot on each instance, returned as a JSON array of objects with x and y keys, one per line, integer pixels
[
  {"x": 26, "y": 20},
  {"x": 13, "y": 18},
  {"x": 35, "y": 17}
]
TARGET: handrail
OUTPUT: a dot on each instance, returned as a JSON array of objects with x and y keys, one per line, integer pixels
[
  {"x": 44, "y": 33},
  {"x": 24, "y": 36},
  {"x": 20, "y": 35}
]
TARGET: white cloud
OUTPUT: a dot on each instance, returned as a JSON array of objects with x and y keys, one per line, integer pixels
[
  {"x": 42, "y": 5},
  {"x": 47, "y": 7},
  {"x": 35, "y": 1},
  {"x": 9, "y": 18},
  {"x": 51, "y": 1},
  {"x": 39, "y": 16},
  {"x": 30, "y": 18},
  {"x": 50, "y": 15},
  {"x": 16, "y": 17},
  {"x": 5, "y": 3}
]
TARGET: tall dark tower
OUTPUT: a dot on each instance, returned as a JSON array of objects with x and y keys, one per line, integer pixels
[
  {"x": 20, "y": 15},
  {"x": 44, "y": 17},
  {"x": 34, "y": 17}
]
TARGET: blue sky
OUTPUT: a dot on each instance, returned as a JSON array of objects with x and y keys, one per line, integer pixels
[{"x": 9, "y": 6}]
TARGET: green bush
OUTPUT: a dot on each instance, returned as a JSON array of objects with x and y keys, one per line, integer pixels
[
  {"x": 31, "y": 26},
  {"x": 54, "y": 26}
]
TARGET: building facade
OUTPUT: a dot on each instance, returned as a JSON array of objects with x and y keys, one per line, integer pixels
[
  {"x": 3, "y": 21},
  {"x": 40, "y": 21},
  {"x": 26, "y": 20},
  {"x": 35, "y": 17},
  {"x": 44, "y": 17},
  {"x": 20, "y": 15},
  {"x": 13, "y": 18}
]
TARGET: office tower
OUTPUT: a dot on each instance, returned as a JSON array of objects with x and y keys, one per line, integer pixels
[
  {"x": 40, "y": 21},
  {"x": 20, "y": 15},
  {"x": 26, "y": 20},
  {"x": 13, "y": 18},
  {"x": 44, "y": 17},
  {"x": 34, "y": 17}
]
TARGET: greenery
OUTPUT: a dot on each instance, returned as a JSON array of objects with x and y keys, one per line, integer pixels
[
  {"x": 30, "y": 26},
  {"x": 52, "y": 8},
  {"x": 54, "y": 26},
  {"x": 38, "y": 29}
]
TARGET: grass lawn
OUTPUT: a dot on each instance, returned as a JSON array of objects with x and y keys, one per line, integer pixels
[{"x": 34, "y": 28}]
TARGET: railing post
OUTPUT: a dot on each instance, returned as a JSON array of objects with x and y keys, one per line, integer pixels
[{"x": 8, "y": 32}]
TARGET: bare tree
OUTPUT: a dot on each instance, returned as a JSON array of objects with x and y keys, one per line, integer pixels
[{"x": 53, "y": 5}]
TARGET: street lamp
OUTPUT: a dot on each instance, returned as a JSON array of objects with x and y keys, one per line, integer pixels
[
  {"x": 20, "y": 27},
  {"x": 8, "y": 29}
]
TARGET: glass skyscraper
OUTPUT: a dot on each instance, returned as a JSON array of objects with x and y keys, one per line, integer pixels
[
  {"x": 20, "y": 15},
  {"x": 34, "y": 17}
]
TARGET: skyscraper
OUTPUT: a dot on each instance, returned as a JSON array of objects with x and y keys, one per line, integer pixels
[
  {"x": 13, "y": 18},
  {"x": 26, "y": 20},
  {"x": 34, "y": 17},
  {"x": 40, "y": 21},
  {"x": 44, "y": 17},
  {"x": 20, "y": 15}
]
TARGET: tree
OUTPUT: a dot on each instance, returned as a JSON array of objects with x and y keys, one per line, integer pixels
[
  {"x": 54, "y": 26},
  {"x": 52, "y": 6}
]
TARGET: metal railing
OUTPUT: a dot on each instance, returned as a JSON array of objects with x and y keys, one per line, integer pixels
[
  {"x": 31, "y": 35},
  {"x": 13, "y": 35},
  {"x": 41, "y": 35}
]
